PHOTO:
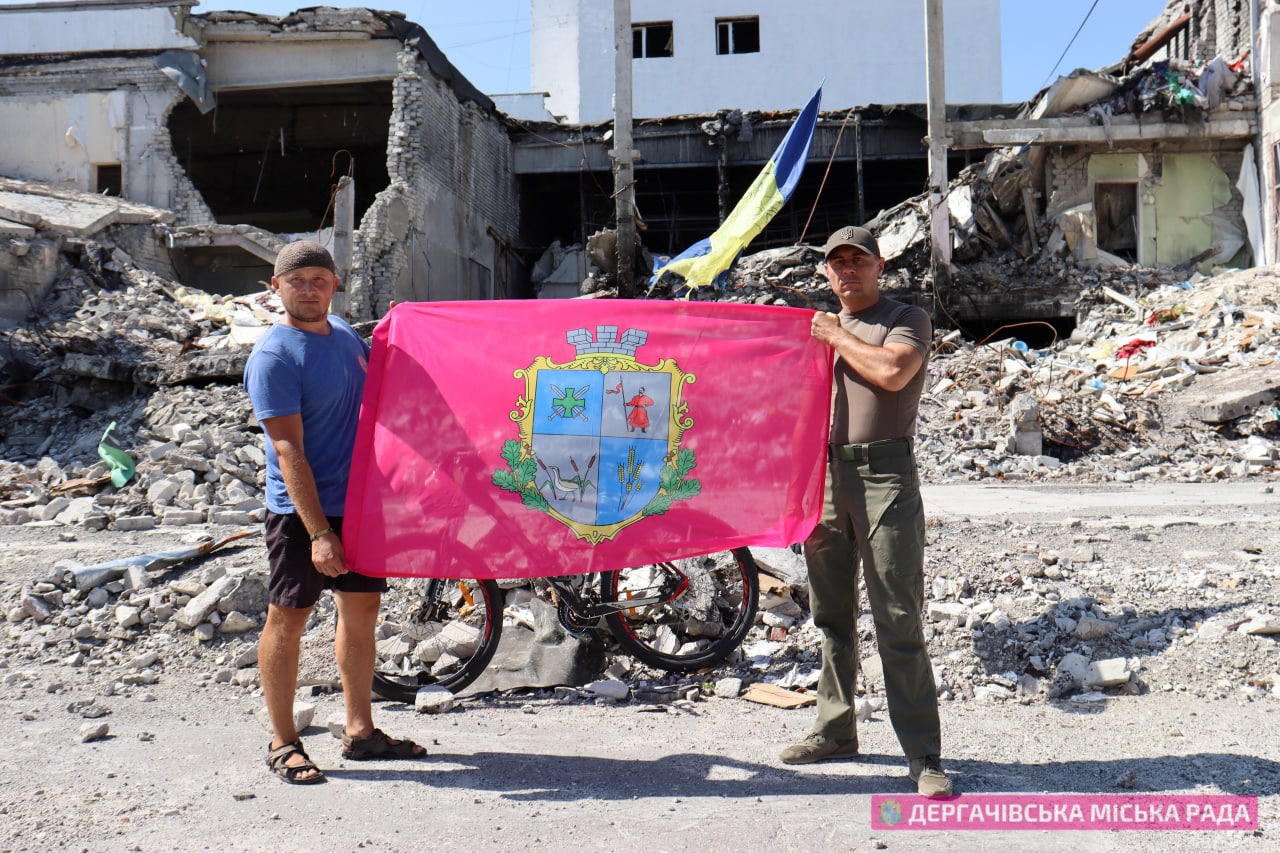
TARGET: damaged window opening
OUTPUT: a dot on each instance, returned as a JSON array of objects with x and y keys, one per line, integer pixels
[
  {"x": 1116, "y": 206},
  {"x": 267, "y": 158},
  {"x": 108, "y": 179},
  {"x": 649, "y": 41},
  {"x": 737, "y": 35}
]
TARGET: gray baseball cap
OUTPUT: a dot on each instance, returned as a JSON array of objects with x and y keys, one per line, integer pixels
[{"x": 852, "y": 235}]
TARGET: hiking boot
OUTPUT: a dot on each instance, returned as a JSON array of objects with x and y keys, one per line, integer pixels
[
  {"x": 930, "y": 779},
  {"x": 816, "y": 747}
]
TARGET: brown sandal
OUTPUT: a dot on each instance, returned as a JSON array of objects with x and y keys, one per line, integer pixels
[
  {"x": 292, "y": 773},
  {"x": 378, "y": 745}
]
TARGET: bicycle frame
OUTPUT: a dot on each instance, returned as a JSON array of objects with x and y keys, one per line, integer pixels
[
  {"x": 578, "y": 592},
  {"x": 677, "y": 615}
]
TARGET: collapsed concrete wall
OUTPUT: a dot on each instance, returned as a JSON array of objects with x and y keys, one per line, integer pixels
[
  {"x": 97, "y": 125},
  {"x": 440, "y": 230},
  {"x": 242, "y": 124},
  {"x": 41, "y": 224}
]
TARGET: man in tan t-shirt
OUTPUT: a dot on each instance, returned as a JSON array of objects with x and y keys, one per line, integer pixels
[{"x": 873, "y": 517}]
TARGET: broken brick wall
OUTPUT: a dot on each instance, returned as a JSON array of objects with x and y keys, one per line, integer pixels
[
  {"x": 82, "y": 115},
  {"x": 28, "y": 267},
  {"x": 145, "y": 245},
  {"x": 426, "y": 236},
  {"x": 1227, "y": 32},
  {"x": 1216, "y": 28},
  {"x": 1066, "y": 178}
]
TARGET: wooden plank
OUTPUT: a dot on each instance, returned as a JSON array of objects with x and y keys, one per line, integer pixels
[{"x": 778, "y": 697}]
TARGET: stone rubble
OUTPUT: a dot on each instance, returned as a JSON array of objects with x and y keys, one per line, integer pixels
[{"x": 1040, "y": 614}]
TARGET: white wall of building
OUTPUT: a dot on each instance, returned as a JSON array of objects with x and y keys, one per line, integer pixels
[
  {"x": 868, "y": 51},
  {"x": 55, "y": 30},
  {"x": 65, "y": 135}
]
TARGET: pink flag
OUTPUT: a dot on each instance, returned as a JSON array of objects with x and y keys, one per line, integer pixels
[{"x": 489, "y": 448}]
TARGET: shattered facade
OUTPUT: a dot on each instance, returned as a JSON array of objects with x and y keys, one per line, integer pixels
[
  {"x": 1149, "y": 163},
  {"x": 242, "y": 127}
]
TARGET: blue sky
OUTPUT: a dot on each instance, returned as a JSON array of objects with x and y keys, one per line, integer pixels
[{"x": 488, "y": 40}]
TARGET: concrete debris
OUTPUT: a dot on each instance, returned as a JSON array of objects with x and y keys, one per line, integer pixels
[
  {"x": 614, "y": 691},
  {"x": 728, "y": 688},
  {"x": 433, "y": 699},
  {"x": 303, "y": 714},
  {"x": 1180, "y": 89},
  {"x": 90, "y": 732}
]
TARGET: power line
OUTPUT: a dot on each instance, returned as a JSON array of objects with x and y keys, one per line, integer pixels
[{"x": 1073, "y": 41}]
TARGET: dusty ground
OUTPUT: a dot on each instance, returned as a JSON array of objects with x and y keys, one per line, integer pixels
[{"x": 181, "y": 768}]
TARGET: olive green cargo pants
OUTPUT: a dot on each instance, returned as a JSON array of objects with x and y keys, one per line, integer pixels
[{"x": 873, "y": 519}]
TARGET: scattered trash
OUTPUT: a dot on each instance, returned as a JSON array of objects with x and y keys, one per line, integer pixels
[{"x": 122, "y": 465}]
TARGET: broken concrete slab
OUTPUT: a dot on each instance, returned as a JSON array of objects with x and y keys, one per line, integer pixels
[
  {"x": 1226, "y": 396},
  {"x": 10, "y": 228},
  {"x": 69, "y": 211}
]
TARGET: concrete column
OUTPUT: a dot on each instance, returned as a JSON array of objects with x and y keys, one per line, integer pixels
[
  {"x": 344, "y": 222},
  {"x": 624, "y": 164}
]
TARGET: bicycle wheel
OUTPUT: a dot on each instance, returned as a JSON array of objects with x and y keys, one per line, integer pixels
[
  {"x": 447, "y": 636},
  {"x": 699, "y": 627}
]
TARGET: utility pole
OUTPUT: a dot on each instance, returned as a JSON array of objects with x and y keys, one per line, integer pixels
[
  {"x": 623, "y": 158},
  {"x": 935, "y": 88}
]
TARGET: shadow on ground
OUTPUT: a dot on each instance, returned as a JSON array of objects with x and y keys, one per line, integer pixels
[{"x": 694, "y": 775}]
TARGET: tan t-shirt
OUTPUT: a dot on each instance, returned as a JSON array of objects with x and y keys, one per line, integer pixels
[{"x": 862, "y": 412}]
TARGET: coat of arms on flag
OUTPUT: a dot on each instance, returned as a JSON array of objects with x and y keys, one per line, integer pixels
[{"x": 599, "y": 436}]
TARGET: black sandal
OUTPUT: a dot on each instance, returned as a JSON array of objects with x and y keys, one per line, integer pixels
[
  {"x": 378, "y": 745},
  {"x": 292, "y": 773}
]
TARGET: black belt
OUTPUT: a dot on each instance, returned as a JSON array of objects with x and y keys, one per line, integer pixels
[{"x": 887, "y": 449}]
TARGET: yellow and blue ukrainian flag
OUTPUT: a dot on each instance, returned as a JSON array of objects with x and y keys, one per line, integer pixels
[{"x": 705, "y": 261}]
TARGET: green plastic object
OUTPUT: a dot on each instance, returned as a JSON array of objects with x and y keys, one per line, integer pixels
[{"x": 122, "y": 464}]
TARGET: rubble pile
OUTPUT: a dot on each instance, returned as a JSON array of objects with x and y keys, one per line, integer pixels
[
  {"x": 1064, "y": 611},
  {"x": 1123, "y": 398},
  {"x": 117, "y": 344}
]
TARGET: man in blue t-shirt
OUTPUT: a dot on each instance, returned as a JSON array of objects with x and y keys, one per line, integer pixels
[{"x": 305, "y": 378}]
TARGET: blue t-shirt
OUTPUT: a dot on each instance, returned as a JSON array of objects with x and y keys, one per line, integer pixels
[{"x": 320, "y": 377}]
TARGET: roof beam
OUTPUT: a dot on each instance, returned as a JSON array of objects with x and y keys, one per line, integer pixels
[{"x": 1225, "y": 124}]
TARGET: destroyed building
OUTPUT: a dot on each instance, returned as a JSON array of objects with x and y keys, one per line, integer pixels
[
  {"x": 226, "y": 132},
  {"x": 189, "y": 147}
]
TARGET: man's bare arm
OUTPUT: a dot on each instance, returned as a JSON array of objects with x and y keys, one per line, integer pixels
[
  {"x": 285, "y": 434},
  {"x": 889, "y": 367}
]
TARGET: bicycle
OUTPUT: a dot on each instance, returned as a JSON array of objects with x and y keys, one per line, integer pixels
[{"x": 678, "y": 615}]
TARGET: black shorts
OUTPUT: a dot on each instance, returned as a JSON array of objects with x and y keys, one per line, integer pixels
[{"x": 295, "y": 581}]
